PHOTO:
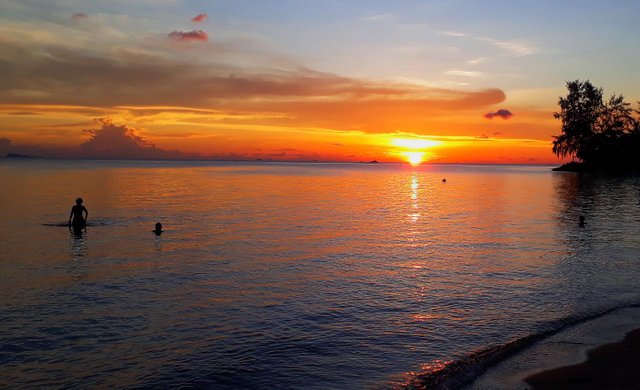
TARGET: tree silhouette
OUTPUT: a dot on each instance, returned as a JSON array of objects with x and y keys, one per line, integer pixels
[
  {"x": 600, "y": 134},
  {"x": 579, "y": 112}
]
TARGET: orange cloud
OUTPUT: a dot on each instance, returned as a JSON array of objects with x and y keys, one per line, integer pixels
[
  {"x": 304, "y": 97},
  {"x": 200, "y": 18},
  {"x": 188, "y": 36},
  {"x": 112, "y": 140},
  {"x": 219, "y": 110}
]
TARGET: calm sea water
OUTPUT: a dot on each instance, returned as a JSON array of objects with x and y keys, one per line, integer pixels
[{"x": 280, "y": 275}]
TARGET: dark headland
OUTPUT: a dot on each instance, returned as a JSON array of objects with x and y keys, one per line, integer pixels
[
  {"x": 575, "y": 166},
  {"x": 18, "y": 155}
]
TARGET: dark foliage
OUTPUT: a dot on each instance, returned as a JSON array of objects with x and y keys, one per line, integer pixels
[{"x": 601, "y": 134}]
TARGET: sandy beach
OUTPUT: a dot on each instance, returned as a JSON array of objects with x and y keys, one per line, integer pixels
[
  {"x": 602, "y": 353},
  {"x": 610, "y": 366}
]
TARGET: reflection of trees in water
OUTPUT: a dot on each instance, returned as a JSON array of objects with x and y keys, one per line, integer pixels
[
  {"x": 600, "y": 258},
  {"x": 574, "y": 197},
  {"x": 606, "y": 201}
]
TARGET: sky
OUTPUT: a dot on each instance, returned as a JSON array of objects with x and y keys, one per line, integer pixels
[{"x": 299, "y": 80}]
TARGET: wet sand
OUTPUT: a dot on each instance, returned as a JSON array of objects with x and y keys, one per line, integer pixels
[
  {"x": 602, "y": 353},
  {"x": 610, "y": 366}
]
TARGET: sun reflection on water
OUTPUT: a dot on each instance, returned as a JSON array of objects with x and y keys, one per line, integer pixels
[{"x": 415, "y": 186}]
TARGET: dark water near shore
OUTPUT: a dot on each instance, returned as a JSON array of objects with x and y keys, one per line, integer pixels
[{"x": 296, "y": 275}]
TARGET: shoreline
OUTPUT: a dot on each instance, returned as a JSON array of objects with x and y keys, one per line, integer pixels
[
  {"x": 558, "y": 361},
  {"x": 580, "y": 167},
  {"x": 609, "y": 366}
]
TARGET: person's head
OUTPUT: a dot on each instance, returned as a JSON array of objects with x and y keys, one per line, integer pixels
[
  {"x": 158, "y": 226},
  {"x": 581, "y": 218},
  {"x": 79, "y": 201}
]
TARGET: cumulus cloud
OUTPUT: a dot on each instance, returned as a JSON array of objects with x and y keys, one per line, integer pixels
[
  {"x": 188, "y": 36},
  {"x": 200, "y": 18},
  {"x": 502, "y": 113},
  {"x": 111, "y": 141},
  {"x": 79, "y": 16}
]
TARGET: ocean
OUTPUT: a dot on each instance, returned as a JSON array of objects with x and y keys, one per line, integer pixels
[{"x": 297, "y": 275}]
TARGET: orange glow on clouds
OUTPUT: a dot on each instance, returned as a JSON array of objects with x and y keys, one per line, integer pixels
[
  {"x": 191, "y": 92},
  {"x": 58, "y": 131}
]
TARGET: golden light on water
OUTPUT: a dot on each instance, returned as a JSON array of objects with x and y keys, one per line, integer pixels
[{"x": 413, "y": 149}]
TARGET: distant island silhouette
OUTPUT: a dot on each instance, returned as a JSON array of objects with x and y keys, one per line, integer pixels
[
  {"x": 598, "y": 135},
  {"x": 18, "y": 155}
]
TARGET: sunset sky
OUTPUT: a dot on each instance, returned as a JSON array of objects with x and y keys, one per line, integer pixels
[{"x": 446, "y": 81}]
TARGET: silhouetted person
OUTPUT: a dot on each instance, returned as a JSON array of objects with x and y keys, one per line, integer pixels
[
  {"x": 158, "y": 229},
  {"x": 581, "y": 224},
  {"x": 78, "y": 216},
  {"x": 444, "y": 180}
]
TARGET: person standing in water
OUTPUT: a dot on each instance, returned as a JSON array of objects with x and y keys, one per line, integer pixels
[
  {"x": 79, "y": 214},
  {"x": 158, "y": 229}
]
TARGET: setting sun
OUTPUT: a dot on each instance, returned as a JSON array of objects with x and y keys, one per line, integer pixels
[
  {"x": 414, "y": 158},
  {"x": 413, "y": 149},
  {"x": 410, "y": 180}
]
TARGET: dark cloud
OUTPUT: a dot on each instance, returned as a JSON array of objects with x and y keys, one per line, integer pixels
[
  {"x": 502, "y": 113},
  {"x": 200, "y": 18},
  {"x": 79, "y": 16},
  {"x": 111, "y": 141},
  {"x": 146, "y": 84},
  {"x": 61, "y": 76},
  {"x": 188, "y": 36}
]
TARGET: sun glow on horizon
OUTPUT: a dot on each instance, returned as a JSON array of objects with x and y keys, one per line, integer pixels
[
  {"x": 413, "y": 149},
  {"x": 414, "y": 158},
  {"x": 415, "y": 144}
]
